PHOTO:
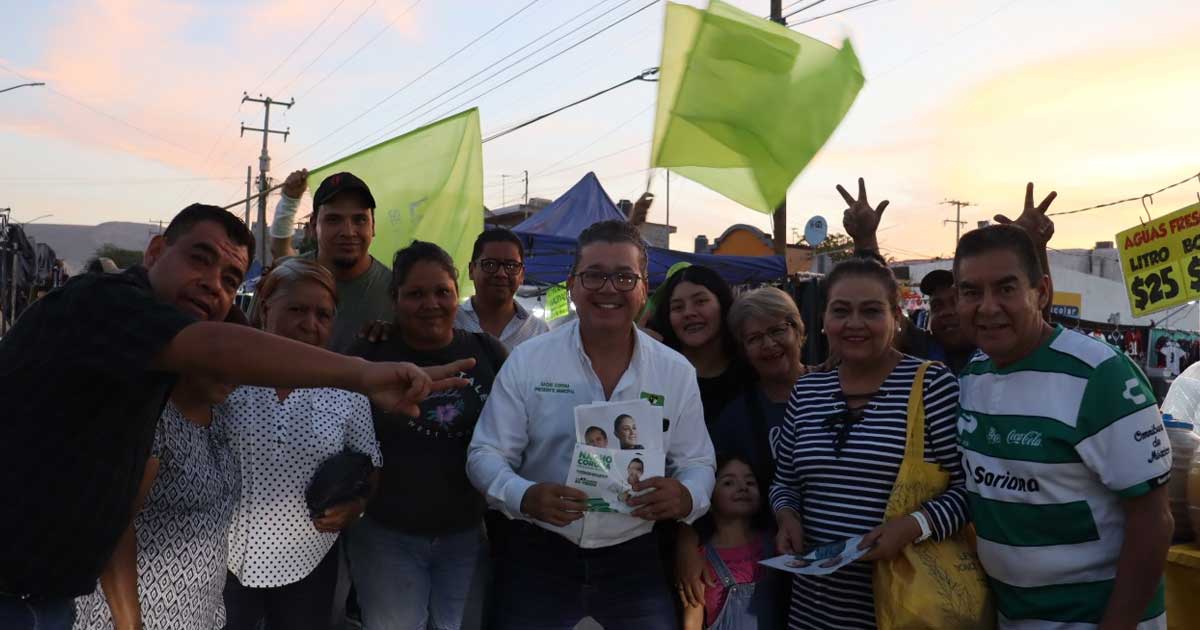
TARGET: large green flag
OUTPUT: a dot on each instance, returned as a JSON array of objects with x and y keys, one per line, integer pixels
[
  {"x": 428, "y": 185},
  {"x": 744, "y": 104}
]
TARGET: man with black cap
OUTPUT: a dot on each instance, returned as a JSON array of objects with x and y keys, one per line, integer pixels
[
  {"x": 947, "y": 342},
  {"x": 343, "y": 219}
]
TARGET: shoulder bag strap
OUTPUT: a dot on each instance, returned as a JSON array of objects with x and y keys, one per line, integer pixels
[{"x": 915, "y": 443}]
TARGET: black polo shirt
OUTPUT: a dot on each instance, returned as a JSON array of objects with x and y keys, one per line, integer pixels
[{"x": 78, "y": 407}]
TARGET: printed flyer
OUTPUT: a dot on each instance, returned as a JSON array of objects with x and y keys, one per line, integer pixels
[
  {"x": 823, "y": 560},
  {"x": 617, "y": 443},
  {"x": 629, "y": 425},
  {"x": 607, "y": 475}
]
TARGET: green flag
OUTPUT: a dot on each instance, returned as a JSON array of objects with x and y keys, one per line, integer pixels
[
  {"x": 744, "y": 104},
  {"x": 428, "y": 185}
]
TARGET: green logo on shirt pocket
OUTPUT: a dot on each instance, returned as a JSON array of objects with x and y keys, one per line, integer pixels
[{"x": 656, "y": 400}]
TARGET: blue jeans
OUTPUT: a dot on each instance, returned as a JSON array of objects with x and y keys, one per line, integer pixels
[
  {"x": 546, "y": 582},
  {"x": 408, "y": 582},
  {"x": 43, "y": 614}
]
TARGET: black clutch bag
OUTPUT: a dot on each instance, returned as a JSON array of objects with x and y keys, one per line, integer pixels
[{"x": 340, "y": 478}]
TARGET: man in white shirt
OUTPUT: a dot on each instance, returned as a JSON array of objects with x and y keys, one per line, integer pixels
[
  {"x": 498, "y": 269},
  {"x": 560, "y": 563}
]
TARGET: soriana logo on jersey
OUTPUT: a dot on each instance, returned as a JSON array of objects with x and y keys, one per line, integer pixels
[{"x": 1161, "y": 261}]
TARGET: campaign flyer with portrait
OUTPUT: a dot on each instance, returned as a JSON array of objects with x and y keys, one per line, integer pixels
[
  {"x": 1161, "y": 261},
  {"x": 821, "y": 560},
  {"x": 617, "y": 445},
  {"x": 625, "y": 425}
]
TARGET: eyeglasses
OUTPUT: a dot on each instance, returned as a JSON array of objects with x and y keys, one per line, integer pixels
[
  {"x": 491, "y": 265},
  {"x": 779, "y": 334},
  {"x": 621, "y": 280}
]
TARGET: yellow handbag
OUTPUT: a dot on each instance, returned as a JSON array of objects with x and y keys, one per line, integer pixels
[{"x": 933, "y": 585}]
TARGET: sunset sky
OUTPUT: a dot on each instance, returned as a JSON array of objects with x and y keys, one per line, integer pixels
[{"x": 964, "y": 99}]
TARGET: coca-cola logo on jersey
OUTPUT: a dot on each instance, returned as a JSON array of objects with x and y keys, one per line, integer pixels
[{"x": 1024, "y": 438}]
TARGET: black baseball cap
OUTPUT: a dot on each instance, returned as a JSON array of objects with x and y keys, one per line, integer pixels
[
  {"x": 936, "y": 280},
  {"x": 339, "y": 183}
]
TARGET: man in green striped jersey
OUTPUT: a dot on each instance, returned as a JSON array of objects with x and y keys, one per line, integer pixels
[{"x": 1065, "y": 453}]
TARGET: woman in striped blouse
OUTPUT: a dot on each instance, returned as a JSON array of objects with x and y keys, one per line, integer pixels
[{"x": 842, "y": 444}]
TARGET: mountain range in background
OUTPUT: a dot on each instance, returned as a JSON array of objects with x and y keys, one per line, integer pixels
[{"x": 76, "y": 244}]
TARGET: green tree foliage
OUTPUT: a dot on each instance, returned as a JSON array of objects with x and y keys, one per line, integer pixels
[{"x": 124, "y": 258}]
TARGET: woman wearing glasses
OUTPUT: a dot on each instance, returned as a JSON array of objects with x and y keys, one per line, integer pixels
[
  {"x": 842, "y": 442},
  {"x": 416, "y": 556},
  {"x": 767, "y": 326}
]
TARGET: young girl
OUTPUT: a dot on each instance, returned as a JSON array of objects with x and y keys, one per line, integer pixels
[{"x": 745, "y": 595}]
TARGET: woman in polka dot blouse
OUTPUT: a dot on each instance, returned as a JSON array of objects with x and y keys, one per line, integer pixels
[
  {"x": 283, "y": 563},
  {"x": 416, "y": 556}
]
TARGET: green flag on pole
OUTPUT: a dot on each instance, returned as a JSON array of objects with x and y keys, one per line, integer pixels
[
  {"x": 428, "y": 185},
  {"x": 744, "y": 104}
]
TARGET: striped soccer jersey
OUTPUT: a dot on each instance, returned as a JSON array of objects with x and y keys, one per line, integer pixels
[{"x": 1050, "y": 445}]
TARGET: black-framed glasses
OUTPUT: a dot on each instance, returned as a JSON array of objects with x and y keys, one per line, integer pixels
[
  {"x": 621, "y": 280},
  {"x": 491, "y": 265},
  {"x": 779, "y": 334}
]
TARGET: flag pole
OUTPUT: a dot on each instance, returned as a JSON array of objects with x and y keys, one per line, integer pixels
[{"x": 780, "y": 215}]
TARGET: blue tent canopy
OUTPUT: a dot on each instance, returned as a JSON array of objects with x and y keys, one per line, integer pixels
[
  {"x": 549, "y": 239},
  {"x": 584, "y": 204},
  {"x": 548, "y": 260}
]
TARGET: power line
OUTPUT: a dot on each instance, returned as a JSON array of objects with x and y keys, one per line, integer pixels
[
  {"x": 945, "y": 40},
  {"x": 1149, "y": 196},
  {"x": 228, "y": 138},
  {"x": 907, "y": 252},
  {"x": 85, "y": 181},
  {"x": 300, "y": 45},
  {"x": 644, "y": 76},
  {"x": 591, "y": 161},
  {"x": 410, "y": 83},
  {"x": 594, "y": 160},
  {"x": 398, "y": 123},
  {"x": 823, "y": 16},
  {"x": 100, "y": 112},
  {"x": 602, "y": 137},
  {"x": 387, "y": 27},
  {"x": 1171, "y": 315},
  {"x": 640, "y": 171},
  {"x": 328, "y": 46},
  {"x": 461, "y": 104},
  {"x": 801, "y": 9}
]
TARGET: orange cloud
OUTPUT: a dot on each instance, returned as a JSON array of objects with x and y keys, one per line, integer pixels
[
  {"x": 1100, "y": 126},
  {"x": 178, "y": 69}
]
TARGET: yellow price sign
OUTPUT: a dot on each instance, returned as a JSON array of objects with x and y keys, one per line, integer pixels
[{"x": 1161, "y": 261}]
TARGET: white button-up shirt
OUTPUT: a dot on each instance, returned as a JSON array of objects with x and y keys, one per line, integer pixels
[
  {"x": 526, "y": 434},
  {"x": 522, "y": 327},
  {"x": 280, "y": 445}
]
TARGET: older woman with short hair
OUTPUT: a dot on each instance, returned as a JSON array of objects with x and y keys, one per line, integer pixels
[
  {"x": 769, "y": 333},
  {"x": 282, "y": 560}
]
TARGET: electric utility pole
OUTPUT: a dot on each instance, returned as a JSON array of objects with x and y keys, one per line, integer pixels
[
  {"x": 249, "y": 178},
  {"x": 780, "y": 215},
  {"x": 264, "y": 166},
  {"x": 957, "y": 221}
]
